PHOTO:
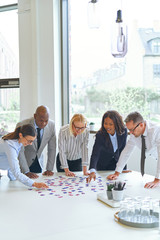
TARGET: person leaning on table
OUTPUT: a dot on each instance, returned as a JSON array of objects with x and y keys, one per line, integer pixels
[
  {"x": 137, "y": 127},
  {"x": 73, "y": 146},
  {"x": 30, "y": 157},
  {"x": 109, "y": 143},
  {"x": 10, "y": 146}
]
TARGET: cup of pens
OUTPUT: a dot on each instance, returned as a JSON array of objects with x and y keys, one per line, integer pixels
[{"x": 118, "y": 191}]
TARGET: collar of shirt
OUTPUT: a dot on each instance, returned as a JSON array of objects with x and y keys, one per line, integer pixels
[
  {"x": 41, "y": 131},
  {"x": 114, "y": 141},
  {"x": 146, "y": 129}
]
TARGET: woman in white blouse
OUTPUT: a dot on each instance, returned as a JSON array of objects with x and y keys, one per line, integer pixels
[
  {"x": 10, "y": 146},
  {"x": 73, "y": 146}
]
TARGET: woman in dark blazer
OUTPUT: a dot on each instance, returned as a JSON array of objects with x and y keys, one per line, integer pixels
[{"x": 109, "y": 143}]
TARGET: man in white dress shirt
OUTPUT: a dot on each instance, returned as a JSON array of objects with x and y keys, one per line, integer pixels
[
  {"x": 137, "y": 126},
  {"x": 30, "y": 157}
]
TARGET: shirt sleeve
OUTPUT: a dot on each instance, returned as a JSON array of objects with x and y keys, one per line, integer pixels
[
  {"x": 12, "y": 157},
  {"x": 85, "y": 161},
  {"x": 22, "y": 161},
  {"x": 157, "y": 140},
  {"x": 125, "y": 155},
  {"x": 62, "y": 149},
  {"x": 96, "y": 152},
  {"x": 51, "y": 150}
]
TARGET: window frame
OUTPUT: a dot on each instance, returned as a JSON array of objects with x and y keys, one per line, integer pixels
[
  {"x": 9, "y": 82},
  {"x": 65, "y": 61},
  {"x": 156, "y": 70}
]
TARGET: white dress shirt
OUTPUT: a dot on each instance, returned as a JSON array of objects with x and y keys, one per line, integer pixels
[
  {"x": 152, "y": 140},
  {"x": 9, "y": 150},
  {"x": 114, "y": 141},
  {"x": 41, "y": 130},
  {"x": 71, "y": 147}
]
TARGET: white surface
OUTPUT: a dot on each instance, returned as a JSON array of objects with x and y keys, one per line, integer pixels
[
  {"x": 25, "y": 215},
  {"x": 103, "y": 197}
]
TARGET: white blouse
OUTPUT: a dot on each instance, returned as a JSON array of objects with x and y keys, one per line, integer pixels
[{"x": 9, "y": 150}]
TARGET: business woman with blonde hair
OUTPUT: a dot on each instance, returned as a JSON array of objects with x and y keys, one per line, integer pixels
[{"x": 73, "y": 146}]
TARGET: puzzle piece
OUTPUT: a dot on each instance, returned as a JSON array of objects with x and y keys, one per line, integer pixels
[{"x": 67, "y": 186}]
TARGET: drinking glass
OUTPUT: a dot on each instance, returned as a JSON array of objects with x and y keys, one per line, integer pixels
[
  {"x": 145, "y": 212},
  {"x": 138, "y": 198},
  {"x": 150, "y": 199},
  {"x": 123, "y": 210},
  {"x": 137, "y": 206},
  {"x": 130, "y": 212}
]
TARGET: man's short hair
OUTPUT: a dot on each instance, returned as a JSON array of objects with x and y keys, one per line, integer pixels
[{"x": 135, "y": 117}]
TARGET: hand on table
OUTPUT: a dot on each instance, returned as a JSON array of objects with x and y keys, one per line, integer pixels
[
  {"x": 39, "y": 185},
  {"x": 90, "y": 177},
  {"x": 113, "y": 176},
  {"x": 69, "y": 173},
  {"x": 48, "y": 173},
  {"x": 155, "y": 183},
  {"x": 31, "y": 175},
  {"x": 126, "y": 171},
  {"x": 85, "y": 172}
]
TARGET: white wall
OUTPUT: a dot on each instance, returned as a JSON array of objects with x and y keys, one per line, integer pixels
[{"x": 39, "y": 46}]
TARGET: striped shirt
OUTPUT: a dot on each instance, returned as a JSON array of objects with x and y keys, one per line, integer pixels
[{"x": 71, "y": 147}]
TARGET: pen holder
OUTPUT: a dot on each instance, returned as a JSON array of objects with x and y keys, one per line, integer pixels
[
  {"x": 109, "y": 195},
  {"x": 118, "y": 194}
]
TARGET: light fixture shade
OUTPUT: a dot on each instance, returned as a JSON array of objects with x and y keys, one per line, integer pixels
[
  {"x": 119, "y": 39},
  {"x": 93, "y": 14}
]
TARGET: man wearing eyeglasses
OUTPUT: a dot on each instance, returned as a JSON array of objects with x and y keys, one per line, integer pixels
[
  {"x": 139, "y": 128},
  {"x": 31, "y": 157}
]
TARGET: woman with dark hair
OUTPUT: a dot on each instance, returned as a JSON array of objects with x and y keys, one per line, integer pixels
[
  {"x": 109, "y": 143},
  {"x": 10, "y": 146}
]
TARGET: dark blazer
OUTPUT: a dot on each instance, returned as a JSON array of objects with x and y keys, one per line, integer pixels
[{"x": 103, "y": 156}]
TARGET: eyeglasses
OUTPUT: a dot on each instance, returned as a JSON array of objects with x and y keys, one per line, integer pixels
[
  {"x": 29, "y": 141},
  {"x": 79, "y": 128},
  {"x": 132, "y": 130}
]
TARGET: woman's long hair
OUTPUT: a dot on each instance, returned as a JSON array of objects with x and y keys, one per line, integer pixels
[
  {"x": 26, "y": 130},
  {"x": 117, "y": 120}
]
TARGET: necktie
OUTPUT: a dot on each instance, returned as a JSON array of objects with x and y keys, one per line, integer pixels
[
  {"x": 38, "y": 138},
  {"x": 143, "y": 155},
  {"x": 35, "y": 167}
]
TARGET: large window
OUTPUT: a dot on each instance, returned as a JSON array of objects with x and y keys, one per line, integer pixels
[
  {"x": 98, "y": 81},
  {"x": 9, "y": 66},
  {"x": 156, "y": 70},
  {"x": 156, "y": 45}
]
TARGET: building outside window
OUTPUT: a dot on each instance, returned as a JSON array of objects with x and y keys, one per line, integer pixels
[
  {"x": 9, "y": 66},
  {"x": 156, "y": 70},
  {"x": 156, "y": 45},
  {"x": 98, "y": 81}
]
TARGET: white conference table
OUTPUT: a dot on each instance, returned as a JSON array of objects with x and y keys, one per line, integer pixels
[{"x": 25, "y": 215}]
